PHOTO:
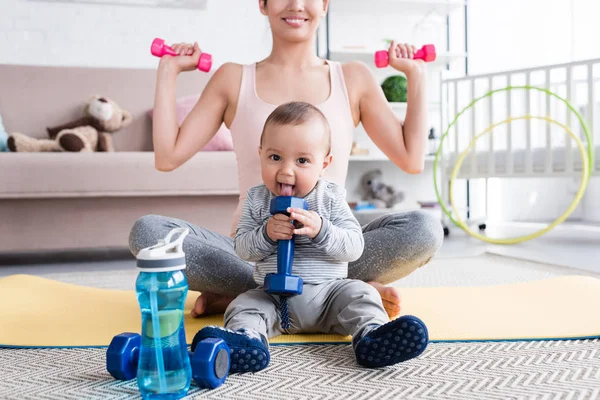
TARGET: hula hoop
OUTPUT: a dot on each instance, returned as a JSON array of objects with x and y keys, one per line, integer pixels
[
  {"x": 570, "y": 209},
  {"x": 587, "y": 164}
]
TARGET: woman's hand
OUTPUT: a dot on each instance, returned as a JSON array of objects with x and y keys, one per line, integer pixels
[
  {"x": 401, "y": 58},
  {"x": 310, "y": 220},
  {"x": 280, "y": 227},
  {"x": 187, "y": 60}
]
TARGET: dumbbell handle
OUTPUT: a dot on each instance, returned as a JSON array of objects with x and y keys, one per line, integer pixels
[
  {"x": 426, "y": 53},
  {"x": 285, "y": 256},
  {"x": 283, "y": 283},
  {"x": 159, "y": 49},
  {"x": 285, "y": 248}
]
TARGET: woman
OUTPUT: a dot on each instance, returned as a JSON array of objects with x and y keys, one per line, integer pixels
[{"x": 242, "y": 96}]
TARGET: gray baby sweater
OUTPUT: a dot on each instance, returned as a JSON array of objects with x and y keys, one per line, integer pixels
[{"x": 316, "y": 260}]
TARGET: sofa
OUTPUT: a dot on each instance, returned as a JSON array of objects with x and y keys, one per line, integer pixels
[{"x": 83, "y": 201}]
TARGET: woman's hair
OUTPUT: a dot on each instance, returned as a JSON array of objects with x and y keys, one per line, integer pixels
[{"x": 297, "y": 113}]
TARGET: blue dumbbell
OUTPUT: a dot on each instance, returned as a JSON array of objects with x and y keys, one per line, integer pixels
[
  {"x": 210, "y": 361},
  {"x": 283, "y": 283}
]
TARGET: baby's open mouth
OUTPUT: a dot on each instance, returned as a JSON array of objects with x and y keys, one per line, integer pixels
[{"x": 285, "y": 189}]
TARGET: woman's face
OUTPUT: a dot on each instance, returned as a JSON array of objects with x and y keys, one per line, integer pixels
[{"x": 294, "y": 20}]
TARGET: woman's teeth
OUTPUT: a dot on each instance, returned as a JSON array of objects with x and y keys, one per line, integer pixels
[{"x": 294, "y": 21}]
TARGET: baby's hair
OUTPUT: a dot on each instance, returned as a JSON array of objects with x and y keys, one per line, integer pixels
[{"x": 297, "y": 113}]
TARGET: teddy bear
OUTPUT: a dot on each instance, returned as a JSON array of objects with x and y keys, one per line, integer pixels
[
  {"x": 87, "y": 134},
  {"x": 377, "y": 192}
]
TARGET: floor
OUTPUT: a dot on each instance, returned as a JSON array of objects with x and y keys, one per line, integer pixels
[{"x": 479, "y": 370}]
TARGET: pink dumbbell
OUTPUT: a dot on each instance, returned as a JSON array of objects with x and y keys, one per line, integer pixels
[
  {"x": 425, "y": 53},
  {"x": 159, "y": 49}
]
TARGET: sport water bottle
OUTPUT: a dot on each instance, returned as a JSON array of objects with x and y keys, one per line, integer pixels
[{"x": 164, "y": 370}]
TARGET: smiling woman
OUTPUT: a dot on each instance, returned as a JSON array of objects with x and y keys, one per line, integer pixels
[
  {"x": 283, "y": 15},
  {"x": 242, "y": 97}
]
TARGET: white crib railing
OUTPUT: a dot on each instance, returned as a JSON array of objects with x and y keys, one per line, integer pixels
[
  {"x": 578, "y": 82},
  {"x": 526, "y": 147}
]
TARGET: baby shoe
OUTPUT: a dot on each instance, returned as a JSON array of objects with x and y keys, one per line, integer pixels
[
  {"x": 398, "y": 340},
  {"x": 249, "y": 349}
]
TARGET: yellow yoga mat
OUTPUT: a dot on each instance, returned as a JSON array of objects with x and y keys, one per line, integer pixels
[{"x": 38, "y": 312}]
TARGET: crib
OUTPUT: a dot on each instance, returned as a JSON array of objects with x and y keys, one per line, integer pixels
[{"x": 524, "y": 148}]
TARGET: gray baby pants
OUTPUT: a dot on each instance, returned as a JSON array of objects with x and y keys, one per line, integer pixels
[{"x": 343, "y": 306}]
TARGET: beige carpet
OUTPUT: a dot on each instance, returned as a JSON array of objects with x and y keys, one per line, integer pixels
[{"x": 483, "y": 370}]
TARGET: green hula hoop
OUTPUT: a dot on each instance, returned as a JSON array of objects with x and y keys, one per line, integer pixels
[{"x": 586, "y": 172}]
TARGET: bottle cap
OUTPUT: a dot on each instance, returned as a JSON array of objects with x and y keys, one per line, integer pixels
[{"x": 164, "y": 256}]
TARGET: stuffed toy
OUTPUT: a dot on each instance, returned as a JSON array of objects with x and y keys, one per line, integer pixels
[
  {"x": 377, "y": 192},
  {"x": 87, "y": 134},
  {"x": 3, "y": 137}
]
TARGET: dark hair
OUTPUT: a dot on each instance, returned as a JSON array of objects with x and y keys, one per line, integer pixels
[{"x": 296, "y": 113}]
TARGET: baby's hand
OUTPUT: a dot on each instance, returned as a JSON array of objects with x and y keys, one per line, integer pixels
[
  {"x": 311, "y": 220},
  {"x": 280, "y": 227}
]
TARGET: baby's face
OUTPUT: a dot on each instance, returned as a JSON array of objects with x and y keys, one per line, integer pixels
[{"x": 293, "y": 157}]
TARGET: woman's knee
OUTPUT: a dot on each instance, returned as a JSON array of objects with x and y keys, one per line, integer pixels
[
  {"x": 146, "y": 232},
  {"x": 425, "y": 231},
  {"x": 428, "y": 229}
]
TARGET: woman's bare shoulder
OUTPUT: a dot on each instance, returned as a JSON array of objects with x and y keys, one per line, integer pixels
[
  {"x": 227, "y": 74},
  {"x": 359, "y": 81},
  {"x": 357, "y": 75},
  {"x": 228, "y": 80}
]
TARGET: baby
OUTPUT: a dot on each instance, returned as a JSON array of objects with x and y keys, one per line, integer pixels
[{"x": 294, "y": 153}]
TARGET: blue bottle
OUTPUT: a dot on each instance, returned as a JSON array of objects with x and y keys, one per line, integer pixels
[{"x": 164, "y": 370}]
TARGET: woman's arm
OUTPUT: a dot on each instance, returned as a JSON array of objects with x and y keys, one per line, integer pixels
[
  {"x": 174, "y": 145},
  {"x": 404, "y": 144}
]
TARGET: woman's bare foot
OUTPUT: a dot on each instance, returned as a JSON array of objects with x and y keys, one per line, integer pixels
[
  {"x": 390, "y": 297},
  {"x": 210, "y": 303}
]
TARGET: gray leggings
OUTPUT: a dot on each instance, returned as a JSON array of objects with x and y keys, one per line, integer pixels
[{"x": 396, "y": 244}]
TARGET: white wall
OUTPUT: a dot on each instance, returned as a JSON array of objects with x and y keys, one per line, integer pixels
[
  {"x": 511, "y": 34},
  {"x": 78, "y": 34}
]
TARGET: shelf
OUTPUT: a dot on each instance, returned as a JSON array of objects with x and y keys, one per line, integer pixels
[
  {"x": 373, "y": 211},
  {"x": 369, "y": 157},
  {"x": 379, "y": 211},
  {"x": 381, "y": 157},
  {"x": 439, "y": 7},
  {"x": 398, "y": 106},
  {"x": 368, "y": 56},
  {"x": 402, "y": 106}
]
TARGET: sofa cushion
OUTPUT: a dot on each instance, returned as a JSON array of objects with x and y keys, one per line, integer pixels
[
  {"x": 54, "y": 175},
  {"x": 222, "y": 141}
]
